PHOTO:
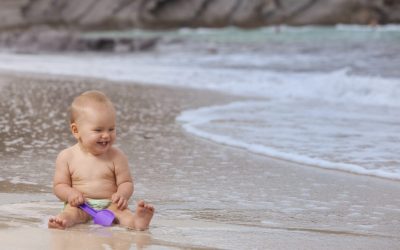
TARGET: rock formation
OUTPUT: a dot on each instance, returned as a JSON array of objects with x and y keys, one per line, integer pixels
[
  {"x": 112, "y": 14},
  {"x": 54, "y": 25}
]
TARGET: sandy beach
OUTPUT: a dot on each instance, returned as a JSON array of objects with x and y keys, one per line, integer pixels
[{"x": 207, "y": 196}]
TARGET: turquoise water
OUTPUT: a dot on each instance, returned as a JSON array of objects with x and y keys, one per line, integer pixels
[{"x": 271, "y": 34}]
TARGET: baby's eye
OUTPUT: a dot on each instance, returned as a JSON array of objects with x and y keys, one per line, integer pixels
[
  {"x": 97, "y": 130},
  {"x": 111, "y": 129}
]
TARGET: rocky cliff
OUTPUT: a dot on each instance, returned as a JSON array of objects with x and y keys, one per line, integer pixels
[
  {"x": 55, "y": 25},
  {"x": 101, "y": 14}
]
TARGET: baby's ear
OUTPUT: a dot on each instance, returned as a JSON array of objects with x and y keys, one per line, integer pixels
[{"x": 74, "y": 130}]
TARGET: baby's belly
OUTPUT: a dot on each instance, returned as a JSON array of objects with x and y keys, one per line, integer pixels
[{"x": 96, "y": 189}]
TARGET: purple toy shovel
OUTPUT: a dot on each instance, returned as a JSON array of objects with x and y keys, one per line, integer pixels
[{"x": 102, "y": 217}]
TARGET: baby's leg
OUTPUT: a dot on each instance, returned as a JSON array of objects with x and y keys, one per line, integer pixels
[
  {"x": 69, "y": 217},
  {"x": 138, "y": 220}
]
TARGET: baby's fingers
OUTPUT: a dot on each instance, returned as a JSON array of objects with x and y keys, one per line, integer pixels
[
  {"x": 115, "y": 199},
  {"x": 80, "y": 200},
  {"x": 122, "y": 204},
  {"x": 77, "y": 201},
  {"x": 74, "y": 202}
]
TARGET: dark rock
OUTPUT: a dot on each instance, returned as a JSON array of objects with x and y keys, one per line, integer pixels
[
  {"x": 47, "y": 39},
  {"x": 36, "y": 39},
  {"x": 115, "y": 44}
]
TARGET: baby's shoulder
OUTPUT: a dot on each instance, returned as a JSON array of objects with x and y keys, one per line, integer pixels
[
  {"x": 117, "y": 154},
  {"x": 67, "y": 153}
]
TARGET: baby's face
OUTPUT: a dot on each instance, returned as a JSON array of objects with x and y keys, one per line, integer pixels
[{"x": 96, "y": 128}]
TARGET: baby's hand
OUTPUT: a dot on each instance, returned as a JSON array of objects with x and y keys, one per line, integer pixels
[
  {"x": 120, "y": 200},
  {"x": 75, "y": 198}
]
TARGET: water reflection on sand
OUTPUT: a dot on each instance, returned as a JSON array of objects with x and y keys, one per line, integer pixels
[{"x": 205, "y": 194}]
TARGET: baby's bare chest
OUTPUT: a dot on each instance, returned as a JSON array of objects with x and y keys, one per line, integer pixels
[{"x": 91, "y": 170}]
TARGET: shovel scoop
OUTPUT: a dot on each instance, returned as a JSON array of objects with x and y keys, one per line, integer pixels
[{"x": 102, "y": 217}]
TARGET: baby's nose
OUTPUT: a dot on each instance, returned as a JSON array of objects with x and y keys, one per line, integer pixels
[{"x": 105, "y": 135}]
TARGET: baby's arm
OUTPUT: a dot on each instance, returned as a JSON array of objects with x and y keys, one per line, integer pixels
[
  {"x": 62, "y": 185},
  {"x": 123, "y": 180}
]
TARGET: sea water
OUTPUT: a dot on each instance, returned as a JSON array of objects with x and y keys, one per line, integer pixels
[{"x": 320, "y": 96}]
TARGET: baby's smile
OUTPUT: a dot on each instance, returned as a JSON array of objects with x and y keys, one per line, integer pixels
[{"x": 103, "y": 143}]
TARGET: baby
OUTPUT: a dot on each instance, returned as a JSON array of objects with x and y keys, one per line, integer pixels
[{"x": 94, "y": 171}]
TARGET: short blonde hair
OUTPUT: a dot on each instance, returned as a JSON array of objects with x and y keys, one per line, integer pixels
[{"x": 79, "y": 102}]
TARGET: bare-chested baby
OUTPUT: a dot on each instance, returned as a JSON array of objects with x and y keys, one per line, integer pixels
[{"x": 94, "y": 171}]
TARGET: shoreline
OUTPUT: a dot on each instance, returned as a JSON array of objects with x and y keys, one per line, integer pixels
[
  {"x": 226, "y": 100},
  {"x": 208, "y": 195},
  {"x": 259, "y": 149}
]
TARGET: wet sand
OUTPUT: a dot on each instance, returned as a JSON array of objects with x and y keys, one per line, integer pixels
[{"x": 206, "y": 195}]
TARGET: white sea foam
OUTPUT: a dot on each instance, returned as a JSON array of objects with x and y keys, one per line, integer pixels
[
  {"x": 369, "y": 29},
  {"x": 290, "y": 137},
  {"x": 336, "y": 86}
]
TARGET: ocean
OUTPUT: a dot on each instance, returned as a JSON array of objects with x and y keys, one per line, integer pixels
[{"x": 326, "y": 97}]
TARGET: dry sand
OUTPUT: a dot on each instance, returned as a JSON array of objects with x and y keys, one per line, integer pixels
[{"x": 207, "y": 196}]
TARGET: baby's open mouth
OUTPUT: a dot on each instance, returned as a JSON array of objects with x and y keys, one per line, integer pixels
[{"x": 103, "y": 143}]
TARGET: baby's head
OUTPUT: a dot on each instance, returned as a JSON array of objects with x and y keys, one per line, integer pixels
[
  {"x": 88, "y": 100},
  {"x": 92, "y": 121}
]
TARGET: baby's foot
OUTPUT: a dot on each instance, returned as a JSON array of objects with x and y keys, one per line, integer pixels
[
  {"x": 144, "y": 212},
  {"x": 57, "y": 222}
]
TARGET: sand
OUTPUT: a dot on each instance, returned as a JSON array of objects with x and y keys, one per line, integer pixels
[{"x": 207, "y": 196}]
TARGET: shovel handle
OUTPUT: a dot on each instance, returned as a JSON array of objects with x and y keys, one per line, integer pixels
[{"x": 88, "y": 209}]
